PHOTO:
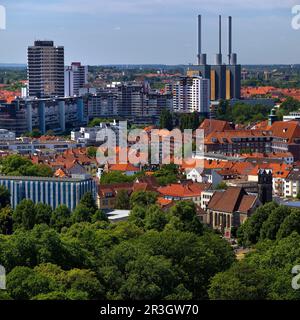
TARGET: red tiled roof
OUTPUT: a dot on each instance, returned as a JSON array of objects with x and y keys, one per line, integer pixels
[
  {"x": 184, "y": 190},
  {"x": 279, "y": 170},
  {"x": 213, "y": 125},
  {"x": 288, "y": 130},
  {"x": 124, "y": 168}
]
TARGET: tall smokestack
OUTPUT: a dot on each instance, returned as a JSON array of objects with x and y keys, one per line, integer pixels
[
  {"x": 219, "y": 55},
  {"x": 199, "y": 39},
  {"x": 229, "y": 39},
  {"x": 201, "y": 56},
  {"x": 220, "y": 34}
]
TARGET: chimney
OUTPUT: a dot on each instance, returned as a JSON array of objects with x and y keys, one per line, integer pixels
[
  {"x": 201, "y": 56},
  {"x": 229, "y": 39},
  {"x": 219, "y": 55},
  {"x": 199, "y": 39}
]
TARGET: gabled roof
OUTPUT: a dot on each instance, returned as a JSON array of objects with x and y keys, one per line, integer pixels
[
  {"x": 288, "y": 130},
  {"x": 234, "y": 199},
  {"x": 124, "y": 168},
  {"x": 212, "y": 125},
  {"x": 187, "y": 190},
  {"x": 279, "y": 170}
]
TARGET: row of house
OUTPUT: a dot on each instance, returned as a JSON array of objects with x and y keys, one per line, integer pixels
[{"x": 278, "y": 137}]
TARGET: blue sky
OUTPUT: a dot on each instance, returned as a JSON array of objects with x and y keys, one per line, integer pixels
[{"x": 150, "y": 31}]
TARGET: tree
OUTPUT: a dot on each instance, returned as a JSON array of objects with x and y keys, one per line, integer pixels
[
  {"x": 61, "y": 217},
  {"x": 116, "y": 177},
  {"x": 99, "y": 215},
  {"x": 183, "y": 217},
  {"x": 89, "y": 202},
  {"x": 24, "y": 215},
  {"x": 142, "y": 198},
  {"x": 43, "y": 213},
  {"x": 166, "y": 120},
  {"x": 221, "y": 186},
  {"x": 92, "y": 152},
  {"x": 15, "y": 165},
  {"x": 271, "y": 226},
  {"x": 23, "y": 283},
  {"x": 290, "y": 224},
  {"x": 155, "y": 218},
  {"x": 6, "y": 223},
  {"x": 4, "y": 197},
  {"x": 249, "y": 232},
  {"x": 122, "y": 200},
  {"x": 81, "y": 214},
  {"x": 137, "y": 216},
  {"x": 167, "y": 174},
  {"x": 241, "y": 282},
  {"x": 180, "y": 293},
  {"x": 149, "y": 277},
  {"x": 85, "y": 281}
]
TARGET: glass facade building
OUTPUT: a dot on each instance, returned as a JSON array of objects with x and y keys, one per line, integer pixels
[{"x": 51, "y": 191}]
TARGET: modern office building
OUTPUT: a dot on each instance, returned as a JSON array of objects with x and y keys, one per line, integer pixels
[
  {"x": 76, "y": 77},
  {"x": 191, "y": 94},
  {"x": 51, "y": 191},
  {"x": 46, "y": 70}
]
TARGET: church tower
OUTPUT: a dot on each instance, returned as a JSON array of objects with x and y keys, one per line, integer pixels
[{"x": 265, "y": 185}]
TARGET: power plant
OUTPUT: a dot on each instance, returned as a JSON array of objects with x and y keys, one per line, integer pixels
[{"x": 225, "y": 79}]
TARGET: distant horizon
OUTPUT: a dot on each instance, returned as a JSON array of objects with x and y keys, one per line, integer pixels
[{"x": 156, "y": 64}]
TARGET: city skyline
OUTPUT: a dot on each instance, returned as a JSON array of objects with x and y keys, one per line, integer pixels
[{"x": 121, "y": 32}]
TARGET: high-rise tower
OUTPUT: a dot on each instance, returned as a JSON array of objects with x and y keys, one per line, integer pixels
[{"x": 45, "y": 70}]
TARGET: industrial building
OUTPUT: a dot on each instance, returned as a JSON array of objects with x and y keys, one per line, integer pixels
[{"x": 225, "y": 80}]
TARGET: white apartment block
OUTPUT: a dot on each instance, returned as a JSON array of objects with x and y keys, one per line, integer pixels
[
  {"x": 76, "y": 76},
  {"x": 191, "y": 94}
]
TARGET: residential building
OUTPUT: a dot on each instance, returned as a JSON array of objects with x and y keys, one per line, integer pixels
[
  {"x": 292, "y": 184},
  {"x": 107, "y": 194},
  {"x": 210, "y": 176},
  {"x": 238, "y": 142},
  {"x": 191, "y": 94},
  {"x": 184, "y": 191},
  {"x": 46, "y": 70},
  {"x": 6, "y": 135},
  {"x": 286, "y": 138},
  {"x": 56, "y": 114},
  {"x": 38, "y": 146},
  {"x": 76, "y": 77}
]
